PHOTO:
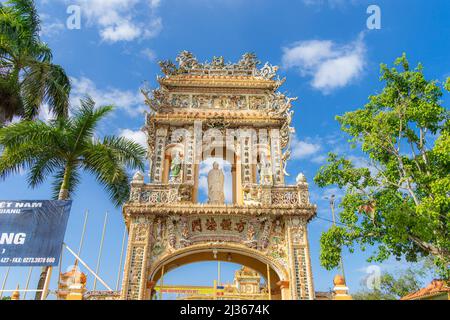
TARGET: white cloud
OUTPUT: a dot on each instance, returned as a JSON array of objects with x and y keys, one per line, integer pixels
[
  {"x": 331, "y": 3},
  {"x": 302, "y": 149},
  {"x": 149, "y": 54},
  {"x": 330, "y": 65},
  {"x": 320, "y": 159},
  {"x": 129, "y": 101},
  {"x": 122, "y": 20},
  {"x": 50, "y": 26},
  {"x": 137, "y": 136}
]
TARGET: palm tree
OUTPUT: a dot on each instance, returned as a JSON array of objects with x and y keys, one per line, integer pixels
[
  {"x": 63, "y": 148},
  {"x": 28, "y": 78}
]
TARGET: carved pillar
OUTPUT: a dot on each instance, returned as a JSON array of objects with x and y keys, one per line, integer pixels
[
  {"x": 134, "y": 281},
  {"x": 247, "y": 151},
  {"x": 158, "y": 158},
  {"x": 238, "y": 174},
  {"x": 189, "y": 156},
  {"x": 276, "y": 153},
  {"x": 264, "y": 150},
  {"x": 300, "y": 263}
]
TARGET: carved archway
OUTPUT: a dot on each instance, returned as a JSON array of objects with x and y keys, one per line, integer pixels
[
  {"x": 267, "y": 222},
  {"x": 228, "y": 253}
]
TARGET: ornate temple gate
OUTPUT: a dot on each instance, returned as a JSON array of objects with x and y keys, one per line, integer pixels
[{"x": 233, "y": 112}]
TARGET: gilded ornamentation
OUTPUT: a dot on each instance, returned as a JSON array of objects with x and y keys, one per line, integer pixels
[
  {"x": 187, "y": 63},
  {"x": 197, "y": 225},
  {"x": 267, "y": 219},
  {"x": 265, "y": 237},
  {"x": 140, "y": 232},
  {"x": 226, "y": 224},
  {"x": 171, "y": 233},
  {"x": 211, "y": 224},
  {"x": 240, "y": 226},
  {"x": 267, "y": 72},
  {"x": 285, "y": 197}
]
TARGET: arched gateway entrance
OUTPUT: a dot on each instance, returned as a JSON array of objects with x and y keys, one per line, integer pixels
[
  {"x": 271, "y": 271},
  {"x": 232, "y": 112}
]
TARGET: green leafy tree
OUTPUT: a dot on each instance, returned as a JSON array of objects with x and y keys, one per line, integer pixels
[
  {"x": 400, "y": 201},
  {"x": 66, "y": 146},
  {"x": 28, "y": 78},
  {"x": 394, "y": 286}
]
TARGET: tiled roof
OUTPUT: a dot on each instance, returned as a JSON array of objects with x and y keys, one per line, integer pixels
[{"x": 434, "y": 288}]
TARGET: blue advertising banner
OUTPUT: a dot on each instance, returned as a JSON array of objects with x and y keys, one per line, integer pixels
[{"x": 32, "y": 232}]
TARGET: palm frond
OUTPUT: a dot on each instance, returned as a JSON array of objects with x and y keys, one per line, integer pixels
[
  {"x": 45, "y": 83},
  {"x": 40, "y": 51},
  {"x": 42, "y": 168},
  {"x": 85, "y": 120},
  {"x": 117, "y": 188},
  {"x": 128, "y": 152},
  {"x": 103, "y": 162},
  {"x": 37, "y": 133},
  {"x": 17, "y": 160},
  {"x": 25, "y": 11},
  {"x": 57, "y": 91}
]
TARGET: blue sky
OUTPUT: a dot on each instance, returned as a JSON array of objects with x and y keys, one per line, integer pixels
[{"x": 330, "y": 58}]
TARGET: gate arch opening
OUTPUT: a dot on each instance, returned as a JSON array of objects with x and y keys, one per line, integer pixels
[{"x": 272, "y": 273}]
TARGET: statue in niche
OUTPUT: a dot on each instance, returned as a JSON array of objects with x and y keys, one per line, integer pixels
[
  {"x": 216, "y": 180},
  {"x": 264, "y": 170},
  {"x": 175, "y": 168}
]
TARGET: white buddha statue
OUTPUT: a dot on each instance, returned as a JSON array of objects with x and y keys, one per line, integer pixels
[{"x": 216, "y": 179}]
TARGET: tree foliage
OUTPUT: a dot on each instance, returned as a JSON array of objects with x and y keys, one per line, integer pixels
[
  {"x": 28, "y": 78},
  {"x": 400, "y": 200},
  {"x": 394, "y": 286},
  {"x": 65, "y": 147}
]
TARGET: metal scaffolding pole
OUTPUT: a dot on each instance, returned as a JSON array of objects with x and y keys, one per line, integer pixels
[
  {"x": 28, "y": 282},
  {"x": 4, "y": 281},
  {"x": 119, "y": 274},
  {"x": 87, "y": 267},
  {"x": 100, "y": 249},
  {"x": 82, "y": 234}
]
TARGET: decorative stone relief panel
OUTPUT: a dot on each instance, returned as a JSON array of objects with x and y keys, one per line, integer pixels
[
  {"x": 135, "y": 272},
  {"x": 189, "y": 157},
  {"x": 277, "y": 158},
  {"x": 158, "y": 162},
  {"x": 248, "y": 142},
  {"x": 176, "y": 232},
  {"x": 134, "y": 279},
  {"x": 226, "y": 101},
  {"x": 285, "y": 197},
  {"x": 301, "y": 285}
]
